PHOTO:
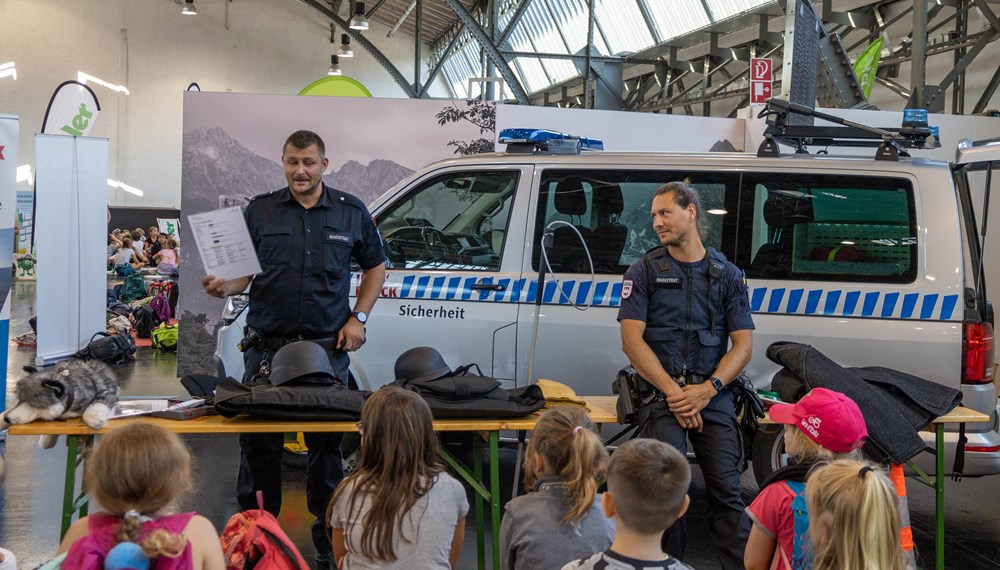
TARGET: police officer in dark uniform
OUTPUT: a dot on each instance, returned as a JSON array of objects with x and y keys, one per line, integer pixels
[
  {"x": 305, "y": 236},
  {"x": 681, "y": 306}
]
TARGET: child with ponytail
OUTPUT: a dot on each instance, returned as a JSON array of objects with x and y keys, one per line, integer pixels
[
  {"x": 854, "y": 522},
  {"x": 560, "y": 519},
  {"x": 136, "y": 474}
]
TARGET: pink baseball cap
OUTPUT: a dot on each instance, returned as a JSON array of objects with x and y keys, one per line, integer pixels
[{"x": 829, "y": 418}]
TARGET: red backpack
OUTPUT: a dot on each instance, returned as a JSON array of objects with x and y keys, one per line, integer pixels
[{"x": 253, "y": 539}]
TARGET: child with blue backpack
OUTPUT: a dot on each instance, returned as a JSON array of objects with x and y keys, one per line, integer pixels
[{"x": 823, "y": 426}]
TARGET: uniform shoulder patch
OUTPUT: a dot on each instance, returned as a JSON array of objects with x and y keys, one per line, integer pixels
[{"x": 626, "y": 288}]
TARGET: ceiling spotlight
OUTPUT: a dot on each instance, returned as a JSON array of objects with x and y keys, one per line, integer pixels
[
  {"x": 345, "y": 46},
  {"x": 334, "y": 66},
  {"x": 189, "y": 9},
  {"x": 359, "y": 21}
]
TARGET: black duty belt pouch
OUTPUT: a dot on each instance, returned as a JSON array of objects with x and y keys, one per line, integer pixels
[
  {"x": 289, "y": 401},
  {"x": 466, "y": 396}
]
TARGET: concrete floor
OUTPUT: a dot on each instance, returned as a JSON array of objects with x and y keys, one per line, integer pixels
[{"x": 31, "y": 494}]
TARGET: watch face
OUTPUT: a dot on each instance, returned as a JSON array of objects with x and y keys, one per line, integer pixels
[{"x": 361, "y": 316}]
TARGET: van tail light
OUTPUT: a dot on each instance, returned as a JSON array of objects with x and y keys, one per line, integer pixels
[
  {"x": 983, "y": 448},
  {"x": 977, "y": 353}
]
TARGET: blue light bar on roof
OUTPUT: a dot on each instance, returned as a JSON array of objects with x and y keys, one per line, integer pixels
[{"x": 542, "y": 137}]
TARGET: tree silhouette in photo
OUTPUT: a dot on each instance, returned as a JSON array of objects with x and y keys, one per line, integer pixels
[{"x": 482, "y": 114}]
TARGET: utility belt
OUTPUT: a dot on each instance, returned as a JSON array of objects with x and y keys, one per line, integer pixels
[
  {"x": 645, "y": 388},
  {"x": 253, "y": 338}
]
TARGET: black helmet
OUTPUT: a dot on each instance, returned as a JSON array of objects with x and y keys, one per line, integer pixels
[
  {"x": 301, "y": 360},
  {"x": 421, "y": 364}
]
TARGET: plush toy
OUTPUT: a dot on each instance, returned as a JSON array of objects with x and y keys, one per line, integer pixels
[{"x": 126, "y": 556}]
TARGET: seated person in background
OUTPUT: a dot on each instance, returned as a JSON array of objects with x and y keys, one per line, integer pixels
[
  {"x": 151, "y": 241},
  {"x": 839, "y": 433},
  {"x": 161, "y": 242},
  {"x": 560, "y": 519},
  {"x": 647, "y": 491},
  {"x": 114, "y": 242},
  {"x": 400, "y": 508},
  {"x": 138, "y": 246},
  {"x": 136, "y": 473},
  {"x": 854, "y": 521},
  {"x": 166, "y": 258},
  {"x": 124, "y": 261}
]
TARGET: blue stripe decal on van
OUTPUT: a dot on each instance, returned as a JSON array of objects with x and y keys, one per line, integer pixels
[
  {"x": 948, "y": 306},
  {"x": 794, "y": 298},
  {"x": 566, "y": 295},
  {"x": 832, "y": 299},
  {"x": 927, "y": 307},
  {"x": 851, "y": 302},
  {"x": 616, "y": 294},
  {"x": 909, "y": 303},
  {"x": 889, "y": 304},
  {"x": 453, "y": 287},
  {"x": 467, "y": 288},
  {"x": 532, "y": 292},
  {"x": 505, "y": 283},
  {"x": 581, "y": 295},
  {"x": 422, "y": 286},
  {"x": 757, "y": 298},
  {"x": 485, "y": 293},
  {"x": 550, "y": 291},
  {"x": 515, "y": 291},
  {"x": 812, "y": 301},
  {"x": 871, "y": 299},
  {"x": 775, "y": 303},
  {"x": 599, "y": 292},
  {"x": 436, "y": 288},
  {"x": 407, "y": 285}
]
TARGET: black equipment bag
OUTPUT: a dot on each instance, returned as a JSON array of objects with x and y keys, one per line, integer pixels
[
  {"x": 113, "y": 348},
  {"x": 201, "y": 385},
  {"x": 299, "y": 401},
  {"x": 461, "y": 395},
  {"x": 145, "y": 321}
]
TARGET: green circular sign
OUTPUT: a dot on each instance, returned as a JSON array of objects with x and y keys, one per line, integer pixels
[{"x": 336, "y": 86}]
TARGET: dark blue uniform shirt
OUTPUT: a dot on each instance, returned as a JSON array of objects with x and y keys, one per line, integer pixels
[
  {"x": 303, "y": 288},
  {"x": 678, "y": 309}
]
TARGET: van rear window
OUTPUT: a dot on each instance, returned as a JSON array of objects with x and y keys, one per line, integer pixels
[{"x": 827, "y": 228}]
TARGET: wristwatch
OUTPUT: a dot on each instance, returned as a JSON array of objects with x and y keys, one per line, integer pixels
[
  {"x": 716, "y": 383},
  {"x": 361, "y": 316}
]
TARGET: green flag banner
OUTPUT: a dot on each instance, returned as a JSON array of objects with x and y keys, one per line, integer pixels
[{"x": 866, "y": 65}]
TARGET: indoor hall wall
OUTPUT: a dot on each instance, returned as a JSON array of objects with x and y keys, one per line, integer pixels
[{"x": 261, "y": 46}]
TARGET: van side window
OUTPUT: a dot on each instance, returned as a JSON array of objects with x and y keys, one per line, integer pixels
[
  {"x": 827, "y": 228},
  {"x": 610, "y": 211},
  {"x": 455, "y": 221}
]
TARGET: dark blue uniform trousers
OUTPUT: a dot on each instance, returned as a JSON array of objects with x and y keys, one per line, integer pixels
[
  {"x": 260, "y": 467},
  {"x": 719, "y": 450}
]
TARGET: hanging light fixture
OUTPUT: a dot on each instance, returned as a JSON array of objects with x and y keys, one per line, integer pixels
[
  {"x": 359, "y": 21},
  {"x": 334, "y": 66},
  {"x": 189, "y": 9},
  {"x": 345, "y": 46}
]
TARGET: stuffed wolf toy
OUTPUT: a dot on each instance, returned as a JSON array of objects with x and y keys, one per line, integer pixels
[{"x": 74, "y": 388}]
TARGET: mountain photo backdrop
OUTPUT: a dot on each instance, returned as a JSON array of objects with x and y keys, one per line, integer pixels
[{"x": 232, "y": 152}]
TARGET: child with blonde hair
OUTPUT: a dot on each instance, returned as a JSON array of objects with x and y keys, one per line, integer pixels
[
  {"x": 823, "y": 426},
  {"x": 136, "y": 474},
  {"x": 399, "y": 509},
  {"x": 854, "y": 518},
  {"x": 560, "y": 519}
]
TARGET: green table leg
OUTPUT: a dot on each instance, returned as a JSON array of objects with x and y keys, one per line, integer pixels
[
  {"x": 495, "y": 496},
  {"x": 72, "y": 442},
  {"x": 939, "y": 497},
  {"x": 477, "y": 462}
]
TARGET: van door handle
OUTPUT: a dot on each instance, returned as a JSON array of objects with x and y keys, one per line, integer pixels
[{"x": 487, "y": 287}]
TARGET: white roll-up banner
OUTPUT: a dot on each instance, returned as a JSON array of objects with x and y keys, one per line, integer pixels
[
  {"x": 72, "y": 110},
  {"x": 71, "y": 187},
  {"x": 9, "y": 132}
]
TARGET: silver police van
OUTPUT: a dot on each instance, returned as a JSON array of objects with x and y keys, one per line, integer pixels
[{"x": 873, "y": 262}]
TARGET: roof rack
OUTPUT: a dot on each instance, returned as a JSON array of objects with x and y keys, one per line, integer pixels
[
  {"x": 543, "y": 141},
  {"x": 890, "y": 144}
]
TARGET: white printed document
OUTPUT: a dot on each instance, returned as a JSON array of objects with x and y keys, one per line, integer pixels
[{"x": 224, "y": 243}]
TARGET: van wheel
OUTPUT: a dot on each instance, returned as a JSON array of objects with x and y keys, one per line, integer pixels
[{"x": 768, "y": 447}]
